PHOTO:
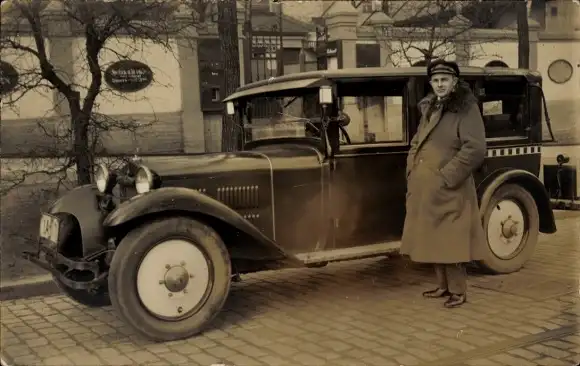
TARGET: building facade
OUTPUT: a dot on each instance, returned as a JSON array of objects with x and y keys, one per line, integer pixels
[{"x": 178, "y": 101}]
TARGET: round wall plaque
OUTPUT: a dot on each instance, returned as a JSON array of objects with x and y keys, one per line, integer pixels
[
  {"x": 128, "y": 76},
  {"x": 560, "y": 71},
  {"x": 8, "y": 78}
]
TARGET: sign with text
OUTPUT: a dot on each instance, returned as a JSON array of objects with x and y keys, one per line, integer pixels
[
  {"x": 128, "y": 76},
  {"x": 8, "y": 78}
]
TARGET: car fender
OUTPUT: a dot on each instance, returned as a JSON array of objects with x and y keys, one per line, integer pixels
[
  {"x": 527, "y": 180},
  {"x": 191, "y": 202},
  {"x": 82, "y": 203}
]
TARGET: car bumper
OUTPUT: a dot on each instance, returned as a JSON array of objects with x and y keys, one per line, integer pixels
[{"x": 87, "y": 273}]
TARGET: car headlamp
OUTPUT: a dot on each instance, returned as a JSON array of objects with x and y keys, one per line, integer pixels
[
  {"x": 102, "y": 178},
  {"x": 143, "y": 180}
]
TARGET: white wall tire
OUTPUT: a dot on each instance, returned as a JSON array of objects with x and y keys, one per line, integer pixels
[
  {"x": 511, "y": 224},
  {"x": 169, "y": 278}
]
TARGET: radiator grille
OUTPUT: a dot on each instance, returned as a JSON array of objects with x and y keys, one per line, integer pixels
[{"x": 239, "y": 197}]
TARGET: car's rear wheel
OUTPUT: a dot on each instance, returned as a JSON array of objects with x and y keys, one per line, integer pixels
[
  {"x": 511, "y": 224},
  {"x": 170, "y": 277}
]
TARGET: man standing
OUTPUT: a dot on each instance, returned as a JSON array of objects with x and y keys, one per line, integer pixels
[{"x": 442, "y": 224}]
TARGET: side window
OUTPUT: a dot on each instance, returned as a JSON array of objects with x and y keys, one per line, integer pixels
[
  {"x": 505, "y": 109},
  {"x": 377, "y": 118}
]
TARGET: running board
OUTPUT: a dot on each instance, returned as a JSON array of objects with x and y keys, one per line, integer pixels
[{"x": 335, "y": 255}]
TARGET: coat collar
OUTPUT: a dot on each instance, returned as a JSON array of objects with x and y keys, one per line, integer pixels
[{"x": 458, "y": 100}]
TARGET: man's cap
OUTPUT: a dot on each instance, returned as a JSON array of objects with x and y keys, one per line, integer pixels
[{"x": 441, "y": 66}]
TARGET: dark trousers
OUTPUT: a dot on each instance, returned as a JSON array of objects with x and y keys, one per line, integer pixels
[{"x": 452, "y": 277}]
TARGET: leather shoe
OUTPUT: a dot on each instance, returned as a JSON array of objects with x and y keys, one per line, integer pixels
[
  {"x": 455, "y": 300},
  {"x": 438, "y": 292}
]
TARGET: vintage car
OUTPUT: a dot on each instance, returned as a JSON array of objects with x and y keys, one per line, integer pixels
[{"x": 319, "y": 176}]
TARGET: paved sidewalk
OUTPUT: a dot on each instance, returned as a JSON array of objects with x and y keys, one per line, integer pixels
[{"x": 367, "y": 312}]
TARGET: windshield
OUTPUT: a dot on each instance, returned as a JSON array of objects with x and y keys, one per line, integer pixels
[{"x": 269, "y": 117}]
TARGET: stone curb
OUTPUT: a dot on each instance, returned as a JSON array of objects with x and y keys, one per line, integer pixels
[{"x": 28, "y": 287}]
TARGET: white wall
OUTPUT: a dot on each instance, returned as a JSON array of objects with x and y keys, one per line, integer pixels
[
  {"x": 482, "y": 53},
  {"x": 26, "y": 103},
  {"x": 405, "y": 53},
  {"x": 163, "y": 95},
  {"x": 563, "y": 99}
]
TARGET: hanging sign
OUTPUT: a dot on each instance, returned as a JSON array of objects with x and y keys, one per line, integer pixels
[
  {"x": 128, "y": 76},
  {"x": 8, "y": 78}
]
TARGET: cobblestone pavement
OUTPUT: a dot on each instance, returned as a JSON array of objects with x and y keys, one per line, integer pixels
[{"x": 367, "y": 312}]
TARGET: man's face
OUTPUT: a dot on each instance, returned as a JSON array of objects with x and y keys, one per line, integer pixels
[{"x": 443, "y": 84}]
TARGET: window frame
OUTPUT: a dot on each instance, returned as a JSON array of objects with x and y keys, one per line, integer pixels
[
  {"x": 405, "y": 104},
  {"x": 527, "y": 128}
]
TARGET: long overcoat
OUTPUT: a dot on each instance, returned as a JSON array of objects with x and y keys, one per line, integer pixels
[{"x": 442, "y": 223}]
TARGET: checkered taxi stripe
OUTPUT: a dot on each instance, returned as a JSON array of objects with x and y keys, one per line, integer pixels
[{"x": 510, "y": 151}]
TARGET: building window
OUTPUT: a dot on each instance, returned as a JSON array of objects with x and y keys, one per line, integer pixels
[
  {"x": 215, "y": 94},
  {"x": 560, "y": 71},
  {"x": 368, "y": 55},
  {"x": 496, "y": 63},
  {"x": 371, "y": 6},
  {"x": 554, "y": 11}
]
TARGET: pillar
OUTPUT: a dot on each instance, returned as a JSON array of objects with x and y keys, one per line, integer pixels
[
  {"x": 341, "y": 20},
  {"x": 192, "y": 118},
  {"x": 459, "y": 26},
  {"x": 382, "y": 23},
  {"x": 534, "y": 29},
  {"x": 242, "y": 51}
]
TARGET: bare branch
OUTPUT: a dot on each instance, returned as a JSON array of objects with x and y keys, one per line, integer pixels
[{"x": 77, "y": 131}]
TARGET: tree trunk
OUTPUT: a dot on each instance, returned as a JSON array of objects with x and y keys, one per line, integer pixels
[
  {"x": 80, "y": 128},
  {"x": 523, "y": 35},
  {"x": 228, "y": 33}
]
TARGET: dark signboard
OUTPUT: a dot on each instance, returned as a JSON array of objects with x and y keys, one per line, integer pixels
[
  {"x": 128, "y": 76},
  {"x": 211, "y": 73},
  {"x": 368, "y": 55},
  {"x": 8, "y": 78}
]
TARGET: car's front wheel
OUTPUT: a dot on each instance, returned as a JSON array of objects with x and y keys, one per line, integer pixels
[
  {"x": 169, "y": 278},
  {"x": 511, "y": 224}
]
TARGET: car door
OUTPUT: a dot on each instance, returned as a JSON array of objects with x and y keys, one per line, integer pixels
[{"x": 368, "y": 178}]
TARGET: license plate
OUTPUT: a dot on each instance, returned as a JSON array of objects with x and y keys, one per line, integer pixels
[{"x": 49, "y": 226}]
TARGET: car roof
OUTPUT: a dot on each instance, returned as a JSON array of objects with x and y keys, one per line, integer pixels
[{"x": 315, "y": 78}]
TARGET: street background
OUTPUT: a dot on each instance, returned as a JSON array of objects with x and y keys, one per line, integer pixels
[{"x": 367, "y": 312}]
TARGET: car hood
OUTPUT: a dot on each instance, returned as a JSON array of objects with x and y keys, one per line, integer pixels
[
  {"x": 213, "y": 164},
  {"x": 217, "y": 164}
]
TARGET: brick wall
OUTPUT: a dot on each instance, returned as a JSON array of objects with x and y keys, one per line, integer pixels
[{"x": 160, "y": 133}]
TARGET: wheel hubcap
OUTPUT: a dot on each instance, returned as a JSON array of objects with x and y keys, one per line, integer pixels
[
  {"x": 176, "y": 278},
  {"x": 509, "y": 228},
  {"x": 506, "y": 229},
  {"x": 172, "y": 279}
]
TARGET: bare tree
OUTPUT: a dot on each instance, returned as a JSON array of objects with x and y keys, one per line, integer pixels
[
  {"x": 98, "y": 22},
  {"x": 523, "y": 35},
  {"x": 228, "y": 33},
  {"x": 431, "y": 28}
]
